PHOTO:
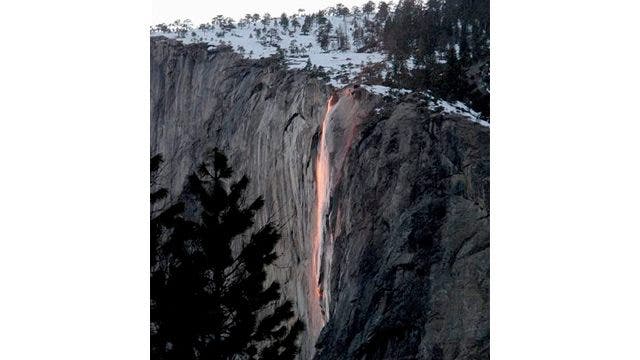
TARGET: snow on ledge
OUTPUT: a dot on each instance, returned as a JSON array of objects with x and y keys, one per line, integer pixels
[{"x": 457, "y": 108}]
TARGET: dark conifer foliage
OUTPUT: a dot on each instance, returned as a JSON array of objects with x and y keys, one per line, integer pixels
[
  {"x": 417, "y": 38},
  {"x": 324, "y": 32},
  {"x": 448, "y": 42},
  {"x": 284, "y": 21},
  {"x": 166, "y": 219},
  {"x": 306, "y": 25},
  {"x": 206, "y": 299},
  {"x": 435, "y": 45}
]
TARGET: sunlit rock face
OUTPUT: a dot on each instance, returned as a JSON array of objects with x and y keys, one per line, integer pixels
[
  {"x": 346, "y": 110},
  {"x": 384, "y": 214}
]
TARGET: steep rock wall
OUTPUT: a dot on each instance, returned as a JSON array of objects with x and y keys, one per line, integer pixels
[
  {"x": 266, "y": 120},
  {"x": 404, "y": 258},
  {"x": 410, "y": 274}
]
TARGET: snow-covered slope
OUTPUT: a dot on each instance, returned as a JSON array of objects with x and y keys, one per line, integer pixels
[
  {"x": 257, "y": 40},
  {"x": 340, "y": 61}
]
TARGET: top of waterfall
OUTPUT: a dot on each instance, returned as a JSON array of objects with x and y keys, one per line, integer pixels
[{"x": 342, "y": 62}]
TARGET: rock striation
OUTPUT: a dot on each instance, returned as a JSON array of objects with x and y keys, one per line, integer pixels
[{"x": 403, "y": 265}]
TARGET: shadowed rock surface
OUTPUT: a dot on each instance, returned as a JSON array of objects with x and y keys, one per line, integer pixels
[
  {"x": 405, "y": 261},
  {"x": 410, "y": 274}
]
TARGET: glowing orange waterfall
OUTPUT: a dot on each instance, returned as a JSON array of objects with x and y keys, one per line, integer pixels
[{"x": 322, "y": 177}]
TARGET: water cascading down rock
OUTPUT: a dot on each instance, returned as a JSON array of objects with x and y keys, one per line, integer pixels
[
  {"x": 322, "y": 178},
  {"x": 336, "y": 135}
]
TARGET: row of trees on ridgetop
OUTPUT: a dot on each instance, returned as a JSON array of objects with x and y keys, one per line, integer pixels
[
  {"x": 440, "y": 45},
  {"x": 208, "y": 302},
  {"x": 437, "y": 45},
  {"x": 414, "y": 29}
]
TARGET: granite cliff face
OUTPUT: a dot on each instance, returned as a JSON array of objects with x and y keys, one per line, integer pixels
[{"x": 383, "y": 204}]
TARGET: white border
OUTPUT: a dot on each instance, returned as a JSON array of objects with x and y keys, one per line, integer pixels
[
  {"x": 74, "y": 148},
  {"x": 564, "y": 180}
]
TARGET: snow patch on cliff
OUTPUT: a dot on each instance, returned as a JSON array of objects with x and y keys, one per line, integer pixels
[
  {"x": 256, "y": 40},
  {"x": 458, "y": 108},
  {"x": 343, "y": 65}
]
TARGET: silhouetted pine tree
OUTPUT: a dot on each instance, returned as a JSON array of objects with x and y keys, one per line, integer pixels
[
  {"x": 323, "y": 33},
  {"x": 368, "y": 7},
  {"x": 383, "y": 12},
  {"x": 465, "y": 51},
  {"x": 453, "y": 81},
  {"x": 160, "y": 220},
  {"x": 207, "y": 301},
  {"x": 306, "y": 25},
  {"x": 342, "y": 10},
  {"x": 342, "y": 39},
  {"x": 284, "y": 21},
  {"x": 162, "y": 224},
  {"x": 295, "y": 24}
]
